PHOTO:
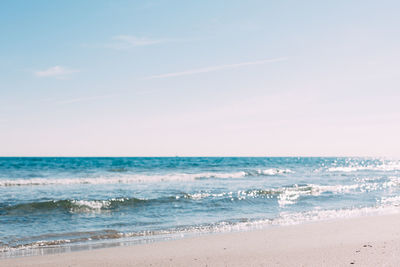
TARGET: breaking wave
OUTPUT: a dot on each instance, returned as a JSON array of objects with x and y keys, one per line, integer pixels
[
  {"x": 126, "y": 179},
  {"x": 287, "y": 195},
  {"x": 284, "y": 218},
  {"x": 77, "y": 206},
  {"x": 355, "y": 168}
]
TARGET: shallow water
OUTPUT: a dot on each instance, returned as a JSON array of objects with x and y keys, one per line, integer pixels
[{"x": 62, "y": 204}]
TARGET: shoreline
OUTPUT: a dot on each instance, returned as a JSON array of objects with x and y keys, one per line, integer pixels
[{"x": 367, "y": 241}]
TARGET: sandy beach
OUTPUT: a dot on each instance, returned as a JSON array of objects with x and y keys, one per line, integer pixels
[
  {"x": 199, "y": 133},
  {"x": 364, "y": 241}
]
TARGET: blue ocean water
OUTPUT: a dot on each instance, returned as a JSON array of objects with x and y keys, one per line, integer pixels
[{"x": 54, "y": 204}]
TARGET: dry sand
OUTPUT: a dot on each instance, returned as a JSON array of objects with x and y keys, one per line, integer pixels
[{"x": 365, "y": 241}]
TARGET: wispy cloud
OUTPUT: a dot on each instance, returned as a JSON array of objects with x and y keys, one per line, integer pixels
[
  {"x": 216, "y": 68},
  {"x": 82, "y": 99},
  {"x": 56, "y": 71},
  {"x": 129, "y": 41}
]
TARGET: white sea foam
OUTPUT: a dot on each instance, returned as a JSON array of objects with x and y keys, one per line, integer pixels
[
  {"x": 286, "y": 218},
  {"x": 385, "y": 206},
  {"x": 94, "y": 205},
  {"x": 134, "y": 178},
  {"x": 390, "y": 201},
  {"x": 123, "y": 179},
  {"x": 293, "y": 218},
  {"x": 291, "y": 194},
  {"x": 274, "y": 171},
  {"x": 393, "y": 166}
]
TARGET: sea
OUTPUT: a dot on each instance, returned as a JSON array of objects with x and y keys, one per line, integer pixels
[{"x": 51, "y": 205}]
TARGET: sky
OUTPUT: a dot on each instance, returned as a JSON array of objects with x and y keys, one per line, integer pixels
[{"x": 199, "y": 78}]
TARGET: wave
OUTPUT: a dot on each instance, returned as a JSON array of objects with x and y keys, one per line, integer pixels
[
  {"x": 125, "y": 179},
  {"x": 284, "y": 196},
  {"x": 77, "y": 206},
  {"x": 119, "y": 179},
  {"x": 244, "y": 224},
  {"x": 85, "y": 206},
  {"x": 268, "y": 172},
  {"x": 286, "y": 218},
  {"x": 355, "y": 168},
  {"x": 390, "y": 201},
  {"x": 59, "y": 239},
  {"x": 290, "y": 195}
]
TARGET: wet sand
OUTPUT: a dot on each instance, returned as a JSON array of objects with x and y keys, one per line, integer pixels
[{"x": 364, "y": 241}]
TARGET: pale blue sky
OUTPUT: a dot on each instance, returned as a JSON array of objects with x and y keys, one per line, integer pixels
[{"x": 199, "y": 78}]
